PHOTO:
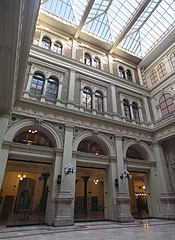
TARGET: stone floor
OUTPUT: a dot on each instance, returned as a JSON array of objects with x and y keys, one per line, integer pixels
[{"x": 150, "y": 229}]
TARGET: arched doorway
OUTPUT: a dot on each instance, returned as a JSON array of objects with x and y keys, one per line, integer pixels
[
  {"x": 138, "y": 184},
  {"x": 90, "y": 180},
  {"x": 26, "y": 180}
]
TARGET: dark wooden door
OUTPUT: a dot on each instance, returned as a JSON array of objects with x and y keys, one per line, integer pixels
[
  {"x": 7, "y": 206},
  {"x": 94, "y": 203}
]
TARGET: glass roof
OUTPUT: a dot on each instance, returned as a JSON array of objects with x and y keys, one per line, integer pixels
[{"x": 135, "y": 26}]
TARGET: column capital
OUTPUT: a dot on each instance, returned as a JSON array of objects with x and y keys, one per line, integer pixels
[{"x": 69, "y": 127}]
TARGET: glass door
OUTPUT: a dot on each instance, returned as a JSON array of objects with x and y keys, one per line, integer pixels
[{"x": 24, "y": 193}]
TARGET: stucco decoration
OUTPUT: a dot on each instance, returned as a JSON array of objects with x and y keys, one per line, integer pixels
[
  {"x": 99, "y": 138},
  {"x": 143, "y": 148},
  {"x": 44, "y": 127}
]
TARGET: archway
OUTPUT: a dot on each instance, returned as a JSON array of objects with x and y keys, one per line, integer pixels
[{"x": 26, "y": 181}]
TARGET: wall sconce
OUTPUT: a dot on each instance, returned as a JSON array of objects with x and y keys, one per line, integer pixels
[
  {"x": 59, "y": 179},
  {"x": 125, "y": 174},
  {"x": 69, "y": 169}
]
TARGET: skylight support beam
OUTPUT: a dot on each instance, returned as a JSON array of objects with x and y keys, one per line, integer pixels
[
  {"x": 84, "y": 17},
  {"x": 130, "y": 24}
]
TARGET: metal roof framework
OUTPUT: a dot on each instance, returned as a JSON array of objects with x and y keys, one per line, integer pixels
[{"x": 135, "y": 26}]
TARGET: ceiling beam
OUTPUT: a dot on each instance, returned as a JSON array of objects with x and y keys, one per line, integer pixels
[
  {"x": 130, "y": 24},
  {"x": 84, "y": 17}
]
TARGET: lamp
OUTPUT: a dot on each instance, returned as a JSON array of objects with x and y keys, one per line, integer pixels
[
  {"x": 21, "y": 176},
  {"x": 125, "y": 174},
  {"x": 69, "y": 169}
]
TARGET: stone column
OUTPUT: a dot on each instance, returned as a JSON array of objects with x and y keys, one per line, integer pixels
[
  {"x": 140, "y": 76},
  {"x": 3, "y": 161},
  {"x": 167, "y": 197},
  {"x": 148, "y": 116},
  {"x": 60, "y": 86},
  {"x": 122, "y": 201},
  {"x": 85, "y": 179},
  {"x": 74, "y": 49},
  {"x": 114, "y": 102},
  {"x": 140, "y": 113},
  {"x": 131, "y": 111},
  {"x": 43, "y": 96},
  {"x": 110, "y": 62},
  {"x": 66, "y": 195},
  {"x": 71, "y": 89},
  {"x": 3, "y": 126},
  {"x": 105, "y": 103},
  {"x": 54, "y": 188}
]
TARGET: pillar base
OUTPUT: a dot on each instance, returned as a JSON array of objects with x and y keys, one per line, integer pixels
[
  {"x": 167, "y": 202},
  {"x": 122, "y": 210},
  {"x": 64, "y": 209}
]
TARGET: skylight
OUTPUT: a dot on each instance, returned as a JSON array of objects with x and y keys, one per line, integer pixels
[{"x": 135, "y": 26}]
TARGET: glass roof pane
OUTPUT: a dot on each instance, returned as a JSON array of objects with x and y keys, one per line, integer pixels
[
  {"x": 107, "y": 20},
  {"x": 152, "y": 25}
]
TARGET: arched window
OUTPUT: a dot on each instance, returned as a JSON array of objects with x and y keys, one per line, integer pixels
[
  {"x": 97, "y": 63},
  {"x": 46, "y": 43},
  {"x": 129, "y": 75},
  {"x": 135, "y": 111},
  {"x": 87, "y": 98},
  {"x": 126, "y": 107},
  {"x": 166, "y": 104},
  {"x": 52, "y": 88},
  {"x": 153, "y": 76},
  {"x": 161, "y": 70},
  {"x": 87, "y": 59},
  {"x": 89, "y": 146},
  {"x": 57, "y": 47},
  {"x": 98, "y": 101},
  {"x": 121, "y": 72},
  {"x": 172, "y": 59},
  {"x": 33, "y": 137},
  {"x": 37, "y": 84}
]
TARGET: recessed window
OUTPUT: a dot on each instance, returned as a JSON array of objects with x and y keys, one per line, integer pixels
[
  {"x": 33, "y": 137},
  {"x": 166, "y": 104},
  {"x": 129, "y": 75},
  {"x": 57, "y": 47},
  {"x": 37, "y": 84},
  {"x": 135, "y": 111},
  {"x": 87, "y": 59},
  {"x": 153, "y": 76},
  {"x": 161, "y": 70},
  {"x": 98, "y": 101},
  {"x": 52, "y": 88},
  {"x": 90, "y": 146},
  {"x": 87, "y": 98},
  {"x": 46, "y": 43},
  {"x": 121, "y": 72},
  {"x": 126, "y": 107},
  {"x": 97, "y": 63},
  {"x": 172, "y": 59}
]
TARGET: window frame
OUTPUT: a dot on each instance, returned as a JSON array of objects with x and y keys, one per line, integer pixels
[
  {"x": 58, "y": 50},
  {"x": 126, "y": 108},
  {"x": 135, "y": 110},
  {"x": 153, "y": 76},
  {"x": 87, "y": 57},
  {"x": 121, "y": 72},
  {"x": 161, "y": 70},
  {"x": 172, "y": 59},
  {"x": 48, "y": 41},
  {"x": 35, "y": 90},
  {"x": 99, "y": 101},
  {"x": 164, "y": 105},
  {"x": 97, "y": 63},
  {"x": 50, "y": 85},
  {"x": 129, "y": 76},
  {"x": 87, "y": 92}
]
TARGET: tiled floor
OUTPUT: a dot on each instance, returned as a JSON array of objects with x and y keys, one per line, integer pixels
[{"x": 152, "y": 229}]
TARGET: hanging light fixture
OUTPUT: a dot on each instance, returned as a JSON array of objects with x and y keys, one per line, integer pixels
[{"x": 21, "y": 176}]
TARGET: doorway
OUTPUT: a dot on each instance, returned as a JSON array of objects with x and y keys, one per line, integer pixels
[
  {"x": 89, "y": 195},
  {"x": 138, "y": 195},
  {"x": 24, "y": 193}
]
